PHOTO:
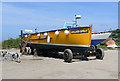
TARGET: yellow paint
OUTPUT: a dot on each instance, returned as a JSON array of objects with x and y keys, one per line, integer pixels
[{"x": 78, "y": 39}]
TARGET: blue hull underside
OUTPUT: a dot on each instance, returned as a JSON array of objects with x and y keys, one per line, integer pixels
[
  {"x": 96, "y": 42},
  {"x": 40, "y": 46}
]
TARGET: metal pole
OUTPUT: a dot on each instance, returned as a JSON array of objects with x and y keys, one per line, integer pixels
[
  {"x": 21, "y": 41},
  {"x": 75, "y": 21}
]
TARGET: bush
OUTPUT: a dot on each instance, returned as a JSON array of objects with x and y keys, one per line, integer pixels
[{"x": 11, "y": 43}]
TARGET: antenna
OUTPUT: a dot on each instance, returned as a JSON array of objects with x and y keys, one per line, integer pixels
[{"x": 36, "y": 30}]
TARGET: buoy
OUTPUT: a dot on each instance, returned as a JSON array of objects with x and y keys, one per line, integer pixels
[
  {"x": 48, "y": 39},
  {"x": 38, "y": 35},
  {"x": 45, "y": 34},
  {"x": 26, "y": 36},
  {"x": 110, "y": 42},
  {"x": 57, "y": 33},
  {"x": 66, "y": 32}
]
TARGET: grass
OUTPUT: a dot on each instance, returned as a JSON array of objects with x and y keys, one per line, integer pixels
[{"x": 104, "y": 47}]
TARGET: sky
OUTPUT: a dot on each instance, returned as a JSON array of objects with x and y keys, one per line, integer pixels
[{"x": 18, "y": 16}]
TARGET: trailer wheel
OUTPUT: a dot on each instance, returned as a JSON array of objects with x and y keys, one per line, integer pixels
[
  {"x": 27, "y": 51},
  {"x": 99, "y": 53},
  {"x": 68, "y": 55}
]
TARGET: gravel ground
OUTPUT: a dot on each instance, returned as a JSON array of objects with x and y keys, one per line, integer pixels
[{"x": 55, "y": 68}]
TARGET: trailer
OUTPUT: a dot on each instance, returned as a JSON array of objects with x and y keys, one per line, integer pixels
[{"x": 72, "y": 39}]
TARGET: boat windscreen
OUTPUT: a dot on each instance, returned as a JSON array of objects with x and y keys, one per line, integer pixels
[{"x": 69, "y": 24}]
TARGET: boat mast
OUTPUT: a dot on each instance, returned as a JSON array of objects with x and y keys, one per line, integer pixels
[{"x": 77, "y": 17}]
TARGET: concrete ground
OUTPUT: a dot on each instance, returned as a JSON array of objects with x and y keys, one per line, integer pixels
[{"x": 55, "y": 68}]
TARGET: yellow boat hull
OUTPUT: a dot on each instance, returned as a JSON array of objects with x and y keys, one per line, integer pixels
[{"x": 77, "y": 37}]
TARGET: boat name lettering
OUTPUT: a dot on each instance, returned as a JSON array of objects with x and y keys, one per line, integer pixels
[{"x": 79, "y": 31}]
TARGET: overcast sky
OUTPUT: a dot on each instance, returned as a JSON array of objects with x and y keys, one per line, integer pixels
[{"x": 52, "y": 15}]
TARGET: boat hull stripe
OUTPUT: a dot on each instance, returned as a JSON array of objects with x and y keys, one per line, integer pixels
[
  {"x": 98, "y": 39},
  {"x": 56, "y": 30},
  {"x": 62, "y": 44}
]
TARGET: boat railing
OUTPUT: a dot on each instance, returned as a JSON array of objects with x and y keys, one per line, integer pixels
[
  {"x": 73, "y": 25},
  {"x": 69, "y": 24}
]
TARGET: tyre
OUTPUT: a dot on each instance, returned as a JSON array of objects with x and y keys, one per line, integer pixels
[
  {"x": 29, "y": 51},
  {"x": 99, "y": 54},
  {"x": 68, "y": 55}
]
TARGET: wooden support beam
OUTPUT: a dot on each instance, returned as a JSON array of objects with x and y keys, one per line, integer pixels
[{"x": 26, "y": 44}]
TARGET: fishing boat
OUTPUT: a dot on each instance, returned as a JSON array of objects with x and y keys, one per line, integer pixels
[
  {"x": 72, "y": 39},
  {"x": 98, "y": 38}
]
